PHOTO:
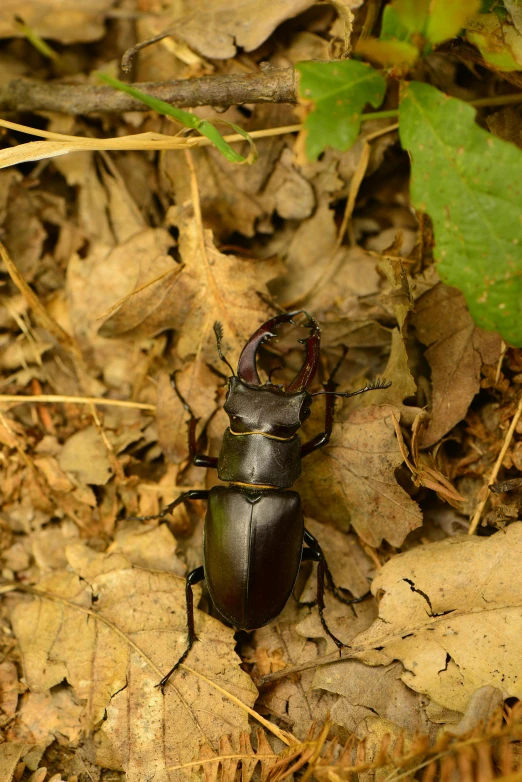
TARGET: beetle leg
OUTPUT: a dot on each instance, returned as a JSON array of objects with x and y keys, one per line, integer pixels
[
  {"x": 323, "y": 437},
  {"x": 193, "y": 494},
  {"x": 330, "y": 392},
  {"x": 314, "y": 545},
  {"x": 194, "y": 577},
  {"x": 199, "y": 459},
  {"x": 318, "y": 556}
]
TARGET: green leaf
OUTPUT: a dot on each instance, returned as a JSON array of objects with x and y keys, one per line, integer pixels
[
  {"x": 387, "y": 53},
  {"x": 187, "y": 119},
  {"x": 393, "y": 28},
  {"x": 446, "y": 20},
  {"x": 413, "y": 13},
  {"x": 433, "y": 20},
  {"x": 339, "y": 90},
  {"x": 470, "y": 183}
]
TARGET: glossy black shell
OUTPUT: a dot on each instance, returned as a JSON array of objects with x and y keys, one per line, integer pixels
[
  {"x": 265, "y": 408},
  {"x": 253, "y": 542},
  {"x": 255, "y": 458}
]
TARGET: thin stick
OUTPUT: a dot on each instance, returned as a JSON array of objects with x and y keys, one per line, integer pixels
[
  {"x": 221, "y": 758},
  {"x": 492, "y": 478},
  {"x": 18, "y": 399}
]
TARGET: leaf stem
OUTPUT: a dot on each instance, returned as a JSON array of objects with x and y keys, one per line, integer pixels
[{"x": 379, "y": 115}]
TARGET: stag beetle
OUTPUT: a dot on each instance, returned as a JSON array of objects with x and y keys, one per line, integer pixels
[{"x": 254, "y": 531}]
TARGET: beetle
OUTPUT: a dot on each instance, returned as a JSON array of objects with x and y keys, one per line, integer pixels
[{"x": 254, "y": 536}]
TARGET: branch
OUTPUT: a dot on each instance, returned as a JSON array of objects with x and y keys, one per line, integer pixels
[{"x": 271, "y": 86}]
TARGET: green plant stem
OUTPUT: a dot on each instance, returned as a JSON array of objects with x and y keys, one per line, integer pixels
[
  {"x": 500, "y": 100},
  {"x": 379, "y": 115}
]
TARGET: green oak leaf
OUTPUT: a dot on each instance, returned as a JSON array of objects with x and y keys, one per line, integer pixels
[
  {"x": 339, "y": 91},
  {"x": 470, "y": 183}
]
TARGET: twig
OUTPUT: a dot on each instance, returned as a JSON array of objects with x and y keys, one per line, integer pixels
[
  {"x": 326, "y": 659},
  {"x": 271, "y": 86},
  {"x": 492, "y": 478},
  {"x": 19, "y": 399}
]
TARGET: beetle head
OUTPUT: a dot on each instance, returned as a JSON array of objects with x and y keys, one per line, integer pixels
[{"x": 247, "y": 367}]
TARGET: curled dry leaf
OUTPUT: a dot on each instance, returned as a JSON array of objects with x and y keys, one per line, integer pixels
[
  {"x": 206, "y": 286},
  {"x": 422, "y": 473},
  {"x": 456, "y": 351},
  {"x": 451, "y": 612},
  {"x": 352, "y": 480},
  {"x": 115, "y": 657}
]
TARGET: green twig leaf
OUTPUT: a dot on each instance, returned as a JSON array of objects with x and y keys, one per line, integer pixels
[
  {"x": 339, "y": 92},
  {"x": 470, "y": 183}
]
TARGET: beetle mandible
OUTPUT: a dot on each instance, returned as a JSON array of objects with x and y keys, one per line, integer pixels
[{"x": 254, "y": 535}]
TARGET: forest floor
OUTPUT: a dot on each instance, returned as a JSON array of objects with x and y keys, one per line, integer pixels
[{"x": 115, "y": 265}]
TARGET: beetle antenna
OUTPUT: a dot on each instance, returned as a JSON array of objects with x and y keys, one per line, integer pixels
[
  {"x": 377, "y": 385},
  {"x": 218, "y": 331}
]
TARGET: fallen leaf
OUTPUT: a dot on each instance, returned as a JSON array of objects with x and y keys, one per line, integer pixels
[
  {"x": 148, "y": 547},
  {"x": 456, "y": 351},
  {"x": 114, "y": 662},
  {"x": 235, "y": 198},
  {"x": 366, "y": 692},
  {"x": 10, "y": 755},
  {"x": 207, "y": 286},
  {"x": 451, "y": 612},
  {"x": 44, "y": 717},
  {"x": 56, "y": 19},
  {"x": 216, "y": 29},
  {"x": 9, "y": 688},
  {"x": 85, "y": 455},
  {"x": 196, "y": 383},
  {"x": 351, "y": 481},
  {"x": 295, "y": 701}
]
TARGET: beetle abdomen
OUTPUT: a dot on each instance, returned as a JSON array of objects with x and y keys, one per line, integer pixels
[
  {"x": 257, "y": 459},
  {"x": 252, "y": 552}
]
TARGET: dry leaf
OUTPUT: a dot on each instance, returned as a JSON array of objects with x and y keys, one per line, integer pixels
[
  {"x": 456, "y": 351},
  {"x": 196, "y": 383},
  {"x": 216, "y": 29},
  {"x": 114, "y": 663},
  {"x": 148, "y": 547},
  {"x": 452, "y": 613},
  {"x": 9, "y": 688},
  {"x": 352, "y": 480},
  {"x": 366, "y": 692},
  {"x": 48, "y": 716},
  {"x": 233, "y": 198},
  {"x": 10, "y": 755},
  {"x": 296, "y": 701},
  {"x": 85, "y": 455},
  {"x": 205, "y": 287},
  {"x": 56, "y": 19}
]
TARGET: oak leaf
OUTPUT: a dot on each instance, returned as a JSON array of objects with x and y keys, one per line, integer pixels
[
  {"x": 352, "y": 480},
  {"x": 114, "y": 657},
  {"x": 457, "y": 348},
  {"x": 451, "y": 612}
]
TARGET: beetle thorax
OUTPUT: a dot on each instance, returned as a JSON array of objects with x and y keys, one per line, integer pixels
[{"x": 265, "y": 409}]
